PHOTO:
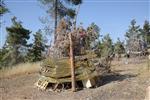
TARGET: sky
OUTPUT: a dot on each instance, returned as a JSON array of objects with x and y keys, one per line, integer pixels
[{"x": 112, "y": 16}]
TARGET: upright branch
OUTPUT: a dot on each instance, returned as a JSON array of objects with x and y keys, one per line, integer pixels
[
  {"x": 72, "y": 63},
  {"x": 75, "y": 19}
]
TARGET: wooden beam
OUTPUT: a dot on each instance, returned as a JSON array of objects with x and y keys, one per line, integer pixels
[{"x": 72, "y": 64}]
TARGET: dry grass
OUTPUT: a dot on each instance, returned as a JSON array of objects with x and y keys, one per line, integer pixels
[
  {"x": 24, "y": 68},
  {"x": 145, "y": 71},
  {"x": 140, "y": 66}
]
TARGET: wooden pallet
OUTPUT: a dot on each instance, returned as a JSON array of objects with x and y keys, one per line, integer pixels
[{"x": 42, "y": 83}]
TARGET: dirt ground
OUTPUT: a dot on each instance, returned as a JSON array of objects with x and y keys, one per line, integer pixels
[{"x": 126, "y": 82}]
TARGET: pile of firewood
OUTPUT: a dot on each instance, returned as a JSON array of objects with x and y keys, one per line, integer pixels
[{"x": 56, "y": 75}]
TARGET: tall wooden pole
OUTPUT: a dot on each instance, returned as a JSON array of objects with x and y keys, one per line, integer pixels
[
  {"x": 148, "y": 63},
  {"x": 72, "y": 64},
  {"x": 72, "y": 56}
]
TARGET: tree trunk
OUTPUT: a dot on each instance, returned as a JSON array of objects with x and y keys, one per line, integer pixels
[
  {"x": 75, "y": 18},
  {"x": 55, "y": 32}
]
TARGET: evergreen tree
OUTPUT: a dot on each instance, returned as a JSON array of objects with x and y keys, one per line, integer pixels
[
  {"x": 38, "y": 47},
  {"x": 119, "y": 47},
  {"x": 105, "y": 51},
  {"x": 16, "y": 39},
  {"x": 92, "y": 35},
  {"x": 133, "y": 30},
  {"x": 106, "y": 46},
  {"x": 3, "y": 8},
  {"x": 59, "y": 9},
  {"x": 98, "y": 48},
  {"x": 145, "y": 32},
  {"x": 3, "y": 51},
  {"x": 133, "y": 37}
]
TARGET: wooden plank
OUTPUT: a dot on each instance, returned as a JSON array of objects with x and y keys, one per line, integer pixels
[
  {"x": 88, "y": 83},
  {"x": 72, "y": 64}
]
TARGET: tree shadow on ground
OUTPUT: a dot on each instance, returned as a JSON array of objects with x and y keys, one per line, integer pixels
[
  {"x": 111, "y": 77},
  {"x": 118, "y": 71}
]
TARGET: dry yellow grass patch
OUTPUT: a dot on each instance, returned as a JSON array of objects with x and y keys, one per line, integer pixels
[{"x": 24, "y": 68}]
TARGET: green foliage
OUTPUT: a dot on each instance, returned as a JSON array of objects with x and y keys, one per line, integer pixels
[
  {"x": 3, "y": 51},
  {"x": 59, "y": 9},
  {"x": 93, "y": 32},
  {"x": 75, "y": 2},
  {"x": 92, "y": 35},
  {"x": 16, "y": 39},
  {"x": 119, "y": 47},
  {"x": 105, "y": 47},
  {"x": 145, "y": 32},
  {"x": 62, "y": 8},
  {"x": 3, "y": 8},
  {"x": 35, "y": 52},
  {"x": 133, "y": 37},
  {"x": 17, "y": 35},
  {"x": 82, "y": 39},
  {"x": 133, "y": 30}
]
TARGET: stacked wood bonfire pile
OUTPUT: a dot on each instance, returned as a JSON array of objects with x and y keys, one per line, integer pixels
[{"x": 56, "y": 73}]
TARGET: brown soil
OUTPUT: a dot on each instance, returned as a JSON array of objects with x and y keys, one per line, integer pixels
[{"x": 126, "y": 82}]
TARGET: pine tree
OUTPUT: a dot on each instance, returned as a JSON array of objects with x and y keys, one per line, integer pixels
[
  {"x": 16, "y": 40},
  {"x": 105, "y": 51},
  {"x": 92, "y": 34},
  {"x": 37, "y": 48},
  {"x": 59, "y": 9},
  {"x": 3, "y": 51},
  {"x": 119, "y": 48},
  {"x": 145, "y": 32},
  {"x": 133, "y": 30},
  {"x": 98, "y": 48},
  {"x": 107, "y": 46},
  {"x": 3, "y": 8},
  {"x": 133, "y": 37}
]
